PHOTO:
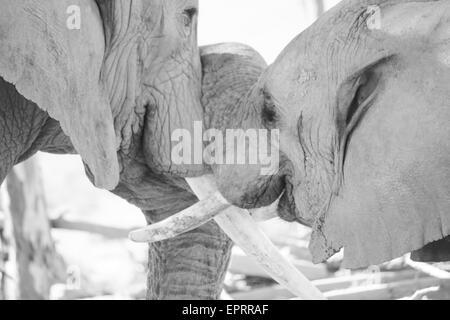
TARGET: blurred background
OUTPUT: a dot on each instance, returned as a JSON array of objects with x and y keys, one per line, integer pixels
[
  {"x": 93, "y": 258},
  {"x": 266, "y": 25}
]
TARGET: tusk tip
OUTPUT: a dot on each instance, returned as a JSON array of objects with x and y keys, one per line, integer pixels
[{"x": 137, "y": 236}]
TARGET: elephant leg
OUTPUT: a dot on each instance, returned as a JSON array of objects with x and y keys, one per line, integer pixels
[{"x": 190, "y": 266}]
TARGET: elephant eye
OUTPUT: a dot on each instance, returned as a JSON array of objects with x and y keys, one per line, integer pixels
[
  {"x": 269, "y": 113},
  {"x": 188, "y": 16}
]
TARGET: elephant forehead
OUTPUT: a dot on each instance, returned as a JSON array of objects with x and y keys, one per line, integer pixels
[
  {"x": 290, "y": 83},
  {"x": 163, "y": 8},
  {"x": 173, "y": 4}
]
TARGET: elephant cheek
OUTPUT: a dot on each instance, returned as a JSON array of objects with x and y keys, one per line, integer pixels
[{"x": 396, "y": 192}]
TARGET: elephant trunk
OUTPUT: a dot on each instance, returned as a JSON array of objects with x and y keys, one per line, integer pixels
[{"x": 189, "y": 266}]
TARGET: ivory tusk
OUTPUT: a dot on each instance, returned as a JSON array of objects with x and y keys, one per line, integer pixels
[
  {"x": 184, "y": 221},
  {"x": 265, "y": 213},
  {"x": 243, "y": 230},
  {"x": 239, "y": 226},
  {"x": 194, "y": 217}
]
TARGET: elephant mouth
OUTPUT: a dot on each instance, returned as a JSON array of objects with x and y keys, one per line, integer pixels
[{"x": 288, "y": 210}]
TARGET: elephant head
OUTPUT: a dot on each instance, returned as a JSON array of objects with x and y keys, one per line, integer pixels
[
  {"x": 362, "y": 102},
  {"x": 108, "y": 71}
]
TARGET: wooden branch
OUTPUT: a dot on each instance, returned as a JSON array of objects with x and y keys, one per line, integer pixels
[
  {"x": 5, "y": 278},
  {"x": 39, "y": 265},
  {"x": 242, "y": 264},
  {"x": 320, "y": 5},
  {"x": 389, "y": 291},
  {"x": 364, "y": 279},
  {"x": 330, "y": 284},
  {"x": 433, "y": 293},
  {"x": 428, "y": 269},
  {"x": 106, "y": 231}
]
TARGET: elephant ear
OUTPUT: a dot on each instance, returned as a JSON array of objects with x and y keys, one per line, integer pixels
[
  {"x": 58, "y": 68},
  {"x": 394, "y": 198}
]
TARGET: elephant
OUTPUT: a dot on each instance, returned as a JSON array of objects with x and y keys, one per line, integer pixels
[
  {"x": 360, "y": 101},
  {"x": 112, "y": 90}
]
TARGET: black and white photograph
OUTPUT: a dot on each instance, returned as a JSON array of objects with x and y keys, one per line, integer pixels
[{"x": 236, "y": 151}]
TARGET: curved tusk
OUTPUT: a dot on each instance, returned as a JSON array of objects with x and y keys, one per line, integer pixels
[
  {"x": 194, "y": 217},
  {"x": 184, "y": 221},
  {"x": 265, "y": 213},
  {"x": 242, "y": 229}
]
